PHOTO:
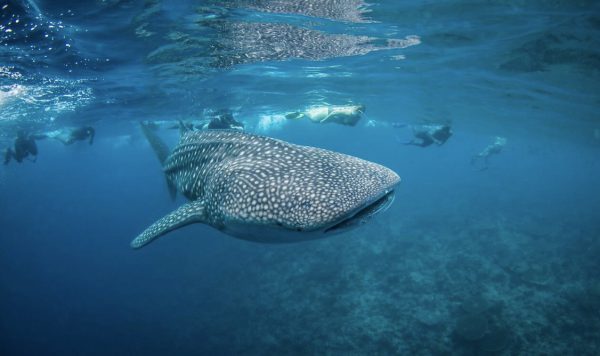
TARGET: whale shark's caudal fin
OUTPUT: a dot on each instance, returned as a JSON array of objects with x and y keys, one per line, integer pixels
[
  {"x": 162, "y": 152},
  {"x": 190, "y": 213}
]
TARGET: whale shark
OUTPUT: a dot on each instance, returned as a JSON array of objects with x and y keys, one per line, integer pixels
[{"x": 267, "y": 190}]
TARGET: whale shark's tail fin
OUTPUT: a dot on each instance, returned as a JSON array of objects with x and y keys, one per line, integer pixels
[{"x": 162, "y": 152}]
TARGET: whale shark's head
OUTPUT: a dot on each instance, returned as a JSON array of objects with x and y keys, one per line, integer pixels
[{"x": 297, "y": 193}]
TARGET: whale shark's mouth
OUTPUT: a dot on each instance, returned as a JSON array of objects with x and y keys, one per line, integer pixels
[{"x": 364, "y": 214}]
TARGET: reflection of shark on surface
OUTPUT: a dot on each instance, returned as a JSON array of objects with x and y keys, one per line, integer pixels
[{"x": 262, "y": 189}]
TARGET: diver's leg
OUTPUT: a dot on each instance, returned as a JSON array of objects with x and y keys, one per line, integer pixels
[
  {"x": 8, "y": 154},
  {"x": 486, "y": 161},
  {"x": 479, "y": 162},
  {"x": 418, "y": 142},
  {"x": 399, "y": 125},
  {"x": 64, "y": 137},
  {"x": 411, "y": 143},
  {"x": 474, "y": 160},
  {"x": 61, "y": 139},
  {"x": 484, "y": 166}
]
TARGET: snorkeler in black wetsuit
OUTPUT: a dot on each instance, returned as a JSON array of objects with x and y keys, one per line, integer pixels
[
  {"x": 68, "y": 136},
  {"x": 217, "y": 120},
  {"x": 426, "y": 135},
  {"x": 23, "y": 147},
  {"x": 224, "y": 120}
]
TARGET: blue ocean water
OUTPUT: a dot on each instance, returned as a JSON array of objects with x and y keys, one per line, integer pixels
[{"x": 467, "y": 261}]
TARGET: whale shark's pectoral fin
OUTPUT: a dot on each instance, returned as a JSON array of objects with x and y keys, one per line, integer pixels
[{"x": 189, "y": 213}]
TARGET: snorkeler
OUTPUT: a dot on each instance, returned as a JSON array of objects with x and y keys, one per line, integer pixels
[
  {"x": 345, "y": 115},
  {"x": 492, "y": 149},
  {"x": 68, "y": 136},
  {"x": 219, "y": 119},
  {"x": 426, "y": 135},
  {"x": 23, "y": 147},
  {"x": 187, "y": 125},
  {"x": 223, "y": 119}
]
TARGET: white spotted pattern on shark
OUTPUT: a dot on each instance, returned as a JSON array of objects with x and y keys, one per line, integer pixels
[{"x": 262, "y": 189}]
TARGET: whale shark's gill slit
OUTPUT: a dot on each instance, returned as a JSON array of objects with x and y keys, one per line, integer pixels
[{"x": 364, "y": 214}]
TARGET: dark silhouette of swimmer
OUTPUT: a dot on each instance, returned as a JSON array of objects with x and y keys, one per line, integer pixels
[
  {"x": 216, "y": 120},
  {"x": 68, "y": 136},
  {"x": 224, "y": 120},
  {"x": 426, "y": 135},
  {"x": 23, "y": 147}
]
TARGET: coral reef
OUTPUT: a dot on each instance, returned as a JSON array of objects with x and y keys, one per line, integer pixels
[{"x": 502, "y": 285}]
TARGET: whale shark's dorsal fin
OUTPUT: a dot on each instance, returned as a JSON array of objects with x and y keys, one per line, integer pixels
[
  {"x": 162, "y": 152},
  {"x": 189, "y": 213}
]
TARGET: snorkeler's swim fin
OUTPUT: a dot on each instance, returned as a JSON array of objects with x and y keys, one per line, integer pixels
[
  {"x": 162, "y": 152},
  {"x": 294, "y": 116}
]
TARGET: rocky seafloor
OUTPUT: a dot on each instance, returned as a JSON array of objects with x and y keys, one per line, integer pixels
[{"x": 498, "y": 285}]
